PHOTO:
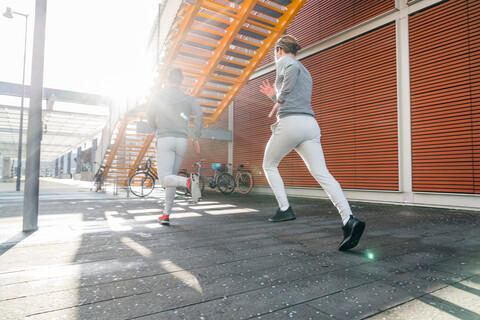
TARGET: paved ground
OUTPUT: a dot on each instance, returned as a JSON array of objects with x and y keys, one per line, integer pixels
[{"x": 99, "y": 256}]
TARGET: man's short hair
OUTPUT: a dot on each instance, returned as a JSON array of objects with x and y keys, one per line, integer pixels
[{"x": 175, "y": 76}]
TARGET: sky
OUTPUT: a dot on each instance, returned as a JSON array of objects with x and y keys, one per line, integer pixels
[{"x": 93, "y": 46}]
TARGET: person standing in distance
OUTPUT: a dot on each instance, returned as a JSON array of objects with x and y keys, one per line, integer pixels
[
  {"x": 296, "y": 129},
  {"x": 168, "y": 115}
]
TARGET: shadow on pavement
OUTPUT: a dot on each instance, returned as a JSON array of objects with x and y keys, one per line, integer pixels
[{"x": 13, "y": 241}]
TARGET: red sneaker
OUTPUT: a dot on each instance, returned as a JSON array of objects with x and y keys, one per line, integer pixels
[
  {"x": 189, "y": 185},
  {"x": 164, "y": 219}
]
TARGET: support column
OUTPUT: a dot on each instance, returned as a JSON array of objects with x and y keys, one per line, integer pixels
[
  {"x": 34, "y": 134},
  {"x": 93, "y": 154},
  {"x": 79, "y": 160},
  {"x": 69, "y": 164},
  {"x": 404, "y": 107},
  {"x": 61, "y": 165},
  {"x": 56, "y": 167},
  {"x": 6, "y": 168}
]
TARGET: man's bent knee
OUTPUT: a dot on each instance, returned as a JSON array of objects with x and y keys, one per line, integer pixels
[{"x": 161, "y": 180}]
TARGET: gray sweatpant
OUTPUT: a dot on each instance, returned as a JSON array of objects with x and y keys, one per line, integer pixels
[
  {"x": 302, "y": 134},
  {"x": 170, "y": 153}
]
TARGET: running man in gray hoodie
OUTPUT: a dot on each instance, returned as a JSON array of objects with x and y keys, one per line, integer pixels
[
  {"x": 296, "y": 129},
  {"x": 168, "y": 115}
]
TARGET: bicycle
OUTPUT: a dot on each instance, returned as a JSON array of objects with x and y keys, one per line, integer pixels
[
  {"x": 86, "y": 166},
  {"x": 142, "y": 183},
  {"x": 221, "y": 180},
  {"x": 243, "y": 179},
  {"x": 98, "y": 178}
]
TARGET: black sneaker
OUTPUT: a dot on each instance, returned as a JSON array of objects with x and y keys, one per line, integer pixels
[
  {"x": 283, "y": 215},
  {"x": 352, "y": 232}
]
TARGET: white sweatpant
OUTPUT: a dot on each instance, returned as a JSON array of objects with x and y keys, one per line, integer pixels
[
  {"x": 170, "y": 153},
  {"x": 302, "y": 134}
]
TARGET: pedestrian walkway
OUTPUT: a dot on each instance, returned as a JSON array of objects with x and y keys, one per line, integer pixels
[{"x": 101, "y": 256}]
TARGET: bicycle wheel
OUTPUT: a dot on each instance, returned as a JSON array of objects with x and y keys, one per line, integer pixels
[
  {"x": 97, "y": 183},
  {"x": 244, "y": 182},
  {"x": 225, "y": 183},
  {"x": 182, "y": 191},
  {"x": 141, "y": 184},
  {"x": 201, "y": 184}
]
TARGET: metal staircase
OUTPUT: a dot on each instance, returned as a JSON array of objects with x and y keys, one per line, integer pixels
[
  {"x": 218, "y": 44},
  {"x": 127, "y": 151}
]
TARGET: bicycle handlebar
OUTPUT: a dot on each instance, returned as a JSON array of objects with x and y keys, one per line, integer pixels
[
  {"x": 100, "y": 164},
  {"x": 199, "y": 163}
]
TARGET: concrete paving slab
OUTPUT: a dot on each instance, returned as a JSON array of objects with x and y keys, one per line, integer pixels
[
  {"x": 101, "y": 256},
  {"x": 304, "y": 310}
]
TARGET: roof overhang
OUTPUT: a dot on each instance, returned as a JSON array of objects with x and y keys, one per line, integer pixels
[{"x": 74, "y": 119}]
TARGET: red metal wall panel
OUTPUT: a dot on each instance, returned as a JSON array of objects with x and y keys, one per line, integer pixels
[
  {"x": 252, "y": 127},
  {"x": 444, "y": 113},
  {"x": 357, "y": 110},
  {"x": 320, "y": 19},
  {"x": 210, "y": 150},
  {"x": 474, "y": 47},
  {"x": 354, "y": 99}
]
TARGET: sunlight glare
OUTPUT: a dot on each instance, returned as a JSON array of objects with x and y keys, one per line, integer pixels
[
  {"x": 464, "y": 299},
  {"x": 144, "y": 211},
  {"x": 471, "y": 284},
  {"x": 145, "y": 218},
  {"x": 135, "y": 246},
  {"x": 216, "y": 206},
  {"x": 152, "y": 225},
  {"x": 185, "y": 215},
  {"x": 115, "y": 223},
  {"x": 181, "y": 274},
  {"x": 230, "y": 211}
]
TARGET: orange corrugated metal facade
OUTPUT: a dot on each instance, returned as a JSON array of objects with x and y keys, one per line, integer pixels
[
  {"x": 445, "y": 60},
  {"x": 211, "y": 150},
  {"x": 320, "y": 19},
  {"x": 355, "y": 100}
]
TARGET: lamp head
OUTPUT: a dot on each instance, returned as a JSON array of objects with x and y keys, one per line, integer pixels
[{"x": 8, "y": 13}]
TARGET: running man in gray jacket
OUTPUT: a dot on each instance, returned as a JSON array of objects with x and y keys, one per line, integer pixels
[
  {"x": 296, "y": 129},
  {"x": 168, "y": 114}
]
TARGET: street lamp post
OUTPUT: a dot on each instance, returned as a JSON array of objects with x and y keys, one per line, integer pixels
[{"x": 9, "y": 14}]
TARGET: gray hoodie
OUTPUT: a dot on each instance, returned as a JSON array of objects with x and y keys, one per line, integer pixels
[
  {"x": 294, "y": 85},
  {"x": 169, "y": 113}
]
